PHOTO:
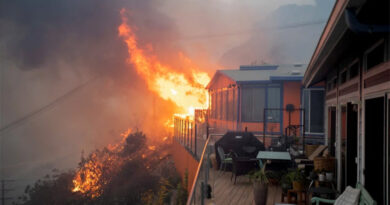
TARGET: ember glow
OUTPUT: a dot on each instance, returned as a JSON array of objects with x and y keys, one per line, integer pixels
[
  {"x": 89, "y": 178},
  {"x": 186, "y": 91}
]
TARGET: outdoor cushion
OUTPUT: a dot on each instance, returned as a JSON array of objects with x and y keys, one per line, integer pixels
[
  {"x": 349, "y": 197},
  {"x": 228, "y": 159}
]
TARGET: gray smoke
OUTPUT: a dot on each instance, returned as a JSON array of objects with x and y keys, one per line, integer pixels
[
  {"x": 288, "y": 34},
  {"x": 65, "y": 84}
]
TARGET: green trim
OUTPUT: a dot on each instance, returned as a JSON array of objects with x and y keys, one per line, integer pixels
[{"x": 318, "y": 200}]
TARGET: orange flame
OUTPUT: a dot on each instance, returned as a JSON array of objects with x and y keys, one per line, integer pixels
[
  {"x": 187, "y": 92},
  {"x": 88, "y": 179}
]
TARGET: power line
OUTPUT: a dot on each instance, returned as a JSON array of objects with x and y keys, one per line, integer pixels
[
  {"x": 259, "y": 29},
  {"x": 48, "y": 106}
]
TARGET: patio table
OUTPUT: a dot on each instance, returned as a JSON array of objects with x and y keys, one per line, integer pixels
[
  {"x": 273, "y": 155},
  {"x": 270, "y": 155}
]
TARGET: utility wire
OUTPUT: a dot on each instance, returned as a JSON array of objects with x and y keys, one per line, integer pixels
[
  {"x": 48, "y": 106},
  {"x": 259, "y": 29}
]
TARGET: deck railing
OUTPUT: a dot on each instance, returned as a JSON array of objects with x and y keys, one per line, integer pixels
[
  {"x": 197, "y": 193},
  {"x": 191, "y": 132}
]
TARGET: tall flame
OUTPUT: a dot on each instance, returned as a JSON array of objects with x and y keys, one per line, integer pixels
[{"x": 187, "y": 92}]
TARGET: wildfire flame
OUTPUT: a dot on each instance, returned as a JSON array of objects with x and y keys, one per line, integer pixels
[
  {"x": 88, "y": 179},
  {"x": 187, "y": 92}
]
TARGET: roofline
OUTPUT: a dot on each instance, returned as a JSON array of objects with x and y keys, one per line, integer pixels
[
  {"x": 337, "y": 12},
  {"x": 287, "y": 78},
  {"x": 218, "y": 72}
]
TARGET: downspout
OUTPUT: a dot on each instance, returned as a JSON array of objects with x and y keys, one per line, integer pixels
[{"x": 357, "y": 27}]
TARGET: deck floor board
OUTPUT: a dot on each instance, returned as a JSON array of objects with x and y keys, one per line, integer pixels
[{"x": 225, "y": 192}]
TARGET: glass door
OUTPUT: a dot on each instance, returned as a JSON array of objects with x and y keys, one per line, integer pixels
[{"x": 374, "y": 151}]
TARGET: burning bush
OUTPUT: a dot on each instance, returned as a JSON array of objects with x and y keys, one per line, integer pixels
[{"x": 116, "y": 174}]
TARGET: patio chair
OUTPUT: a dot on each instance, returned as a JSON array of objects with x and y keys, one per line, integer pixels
[
  {"x": 348, "y": 196},
  {"x": 225, "y": 159},
  {"x": 242, "y": 166}
]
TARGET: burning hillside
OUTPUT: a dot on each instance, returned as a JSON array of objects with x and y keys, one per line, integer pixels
[{"x": 127, "y": 172}]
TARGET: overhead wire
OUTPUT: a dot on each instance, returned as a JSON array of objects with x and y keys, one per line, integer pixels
[{"x": 44, "y": 108}]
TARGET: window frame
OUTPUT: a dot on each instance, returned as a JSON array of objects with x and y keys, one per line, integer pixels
[
  {"x": 350, "y": 65},
  {"x": 309, "y": 111},
  {"x": 265, "y": 86},
  {"x": 369, "y": 50}
]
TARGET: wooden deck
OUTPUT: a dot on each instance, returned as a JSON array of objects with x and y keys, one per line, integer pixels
[{"x": 226, "y": 192}]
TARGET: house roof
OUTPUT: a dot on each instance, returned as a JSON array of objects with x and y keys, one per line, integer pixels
[
  {"x": 335, "y": 28},
  {"x": 262, "y": 73},
  {"x": 266, "y": 73}
]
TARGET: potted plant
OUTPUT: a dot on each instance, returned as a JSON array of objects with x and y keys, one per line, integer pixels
[
  {"x": 298, "y": 179},
  {"x": 285, "y": 182},
  {"x": 273, "y": 177},
  {"x": 260, "y": 186}
]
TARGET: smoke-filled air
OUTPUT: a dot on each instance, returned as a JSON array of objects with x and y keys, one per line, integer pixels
[{"x": 90, "y": 90}]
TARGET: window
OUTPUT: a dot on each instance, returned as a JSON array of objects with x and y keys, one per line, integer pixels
[
  {"x": 354, "y": 70},
  {"x": 334, "y": 84},
  {"x": 223, "y": 105},
  {"x": 252, "y": 105},
  {"x": 313, "y": 103},
  {"x": 218, "y": 105},
  {"x": 235, "y": 104},
  {"x": 343, "y": 77},
  {"x": 254, "y": 101},
  {"x": 213, "y": 105},
  {"x": 230, "y": 105},
  {"x": 329, "y": 86},
  {"x": 273, "y": 98},
  {"x": 375, "y": 56}
]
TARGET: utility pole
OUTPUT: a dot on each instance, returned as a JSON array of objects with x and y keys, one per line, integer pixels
[{"x": 4, "y": 190}]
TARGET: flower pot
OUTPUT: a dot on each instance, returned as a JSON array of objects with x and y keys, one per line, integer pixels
[
  {"x": 260, "y": 191},
  {"x": 329, "y": 176},
  {"x": 297, "y": 185},
  {"x": 273, "y": 181}
]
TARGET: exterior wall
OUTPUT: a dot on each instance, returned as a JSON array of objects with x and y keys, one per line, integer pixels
[
  {"x": 368, "y": 84},
  {"x": 292, "y": 95},
  {"x": 184, "y": 161},
  {"x": 221, "y": 126},
  {"x": 258, "y": 127}
]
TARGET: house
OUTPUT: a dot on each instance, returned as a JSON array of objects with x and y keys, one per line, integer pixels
[
  {"x": 266, "y": 100},
  {"x": 352, "y": 57}
]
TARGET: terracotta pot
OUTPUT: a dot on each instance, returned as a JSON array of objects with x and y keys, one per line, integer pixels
[
  {"x": 273, "y": 181},
  {"x": 297, "y": 185},
  {"x": 260, "y": 191}
]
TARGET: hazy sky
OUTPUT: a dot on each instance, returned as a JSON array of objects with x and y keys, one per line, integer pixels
[{"x": 49, "y": 49}]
